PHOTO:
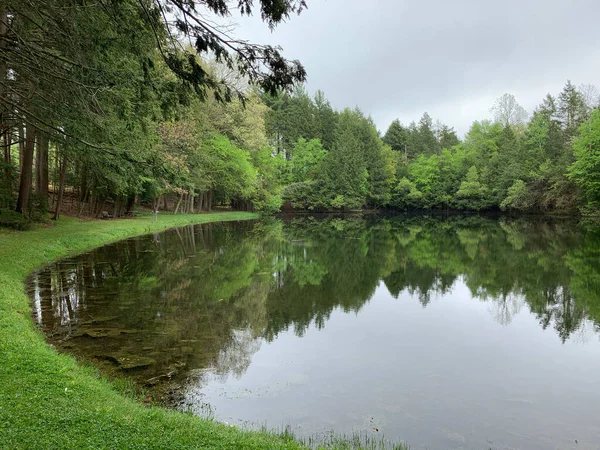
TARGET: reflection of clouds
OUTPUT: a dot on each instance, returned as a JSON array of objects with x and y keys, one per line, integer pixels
[{"x": 585, "y": 333}]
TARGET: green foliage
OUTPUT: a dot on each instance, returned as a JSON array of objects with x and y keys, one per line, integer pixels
[
  {"x": 396, "y": 136},
  {"x": 305, "y": 195},
  {"x": 517, "y": 198},
  {"x": 295, "y": 116},
  {"x": 381, "y": 175},
  {"x": 424, "y": 173},
  {"x": 585, "y": 171},
  {"x": 345, "y": 166},
  {"x": 406, "y": 195},
  {"x": 226, "y": 168},
  {"x": 306, "y": 158},
  {"x": 505, "y": 164},
  {"x": 267, "y": 197},
  {"x": 571, "y": 110},
  {"x": 16, "y": 221},
  {"x": 472, "y": 194},
  {"x": 447, "y": 137},
  {"x": 8, "y": 173}
]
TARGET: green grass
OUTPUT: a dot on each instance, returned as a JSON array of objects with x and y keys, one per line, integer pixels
[
  {"x": 358, "y": 440},
  {"x": 49, "y": 400}
]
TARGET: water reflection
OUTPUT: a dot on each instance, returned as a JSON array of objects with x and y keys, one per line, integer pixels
[{"x": 189, "y": 311}]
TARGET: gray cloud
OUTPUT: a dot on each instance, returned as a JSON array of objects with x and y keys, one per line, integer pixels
[{"x": 397, "y": 59}]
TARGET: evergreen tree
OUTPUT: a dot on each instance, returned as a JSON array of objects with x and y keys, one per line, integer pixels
[
  {"x": 345, "y": 165},
  {"x": 572, "y": 110},
  {"x": 447, "y": 137},
  {"x": 427, "y": 143},
  {"x": 326, "y": 120},
  {"x": 396, "y": 137}
]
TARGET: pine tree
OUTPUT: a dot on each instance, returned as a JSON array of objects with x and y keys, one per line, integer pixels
[
  {"x": 571, "y": 109},
  {"x": 396, "y": 136}
]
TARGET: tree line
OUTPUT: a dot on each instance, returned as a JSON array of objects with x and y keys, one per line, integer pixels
[
  {"x": 113, "y": 104},
  {"x": 548, "y": 162}
]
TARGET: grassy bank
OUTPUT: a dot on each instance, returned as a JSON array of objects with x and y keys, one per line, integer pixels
[{"x": 48, "y": 400}]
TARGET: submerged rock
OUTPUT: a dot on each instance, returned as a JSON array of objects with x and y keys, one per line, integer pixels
[
  {"x": 102, "y": 332},
  {"x": 128, "y": 362},
  {"x": 98, "y": 319},
  {"x": 135, "y": 362}
]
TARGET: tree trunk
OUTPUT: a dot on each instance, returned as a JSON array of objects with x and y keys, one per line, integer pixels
[
  {"x": 192, "y": 198},
  {"x": 61, "y": 186},
  {"x": 179, "y": 203},
  {"x": 117, "y": 207},
  {"x": 91, "y": 202},
  {"x": 99, "y": 213},
  {"x": 210, "y": 200},
  {"x": 26, "y": 172},
  {"x": 82, "y": 205},
  {"x": 21, "y": 146},
  {"x": 4, "y": 128},
  {"x": 130, "y": 205},
  {"x": 201, "y": 201},
  {"x": 184, "y": 207},
  {"x": 55, "y": 171},
  {"x": 41, "y": 174},
  {"x": 7, "y": 139},
  {"x": 83, "y": 188}
]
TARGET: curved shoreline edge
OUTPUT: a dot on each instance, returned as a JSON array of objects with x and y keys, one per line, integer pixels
[{"x": 49, "y": 400}]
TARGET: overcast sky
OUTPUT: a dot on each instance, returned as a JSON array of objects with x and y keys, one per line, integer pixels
[{"x": 399, "y": 58}]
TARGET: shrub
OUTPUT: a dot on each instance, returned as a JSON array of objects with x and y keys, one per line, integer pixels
[{"x": 16, "y": 221}]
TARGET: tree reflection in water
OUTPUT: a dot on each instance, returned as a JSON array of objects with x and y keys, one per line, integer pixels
[{"x": 205, "y": 297}]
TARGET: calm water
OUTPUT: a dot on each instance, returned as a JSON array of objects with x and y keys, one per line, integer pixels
[{"x": 460, "y": 332}]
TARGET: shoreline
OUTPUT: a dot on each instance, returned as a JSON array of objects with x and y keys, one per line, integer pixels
[{"x": 49, "y": 399}]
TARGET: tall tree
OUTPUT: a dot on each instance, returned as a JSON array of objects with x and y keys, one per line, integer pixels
[
  {"x": 23, "y": 205},
  {"x": 41, "y": 169},
  {"x": 590, "y": 95},
  {"x": 508, "y": 112},
  {"x": 446, "y": 136},
  {"x": 346, "y": 168},
  {"x": 326, "y": 120},
  {"x": 572, "y": 109},
  {"x": 396, "y": 136}
]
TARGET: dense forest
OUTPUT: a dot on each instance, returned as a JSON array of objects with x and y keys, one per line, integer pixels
[{"x": 108, "y": 105}]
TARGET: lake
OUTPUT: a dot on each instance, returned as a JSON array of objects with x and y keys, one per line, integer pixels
[{"x": 445, "y": 332}]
